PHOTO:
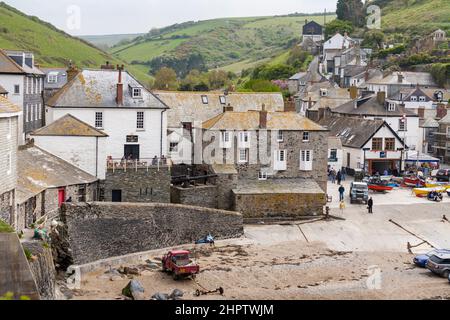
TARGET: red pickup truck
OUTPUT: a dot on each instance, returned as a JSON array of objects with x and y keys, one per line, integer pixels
[{"x": 179, "y": 264}]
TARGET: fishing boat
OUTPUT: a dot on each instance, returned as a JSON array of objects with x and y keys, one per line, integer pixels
[
  {"x": 423, "y": 192},
  {"x": 438, "y": 185},
  {"x": 380, "y": 187},
  {"x": 413, "y": 182}
]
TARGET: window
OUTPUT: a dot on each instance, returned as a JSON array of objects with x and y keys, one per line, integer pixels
[
  {"x": 403, "y": 124},
  {"x": 323, "y": 92},
  {"x": 391, "y": 106},
  {"x": 244, "y": 136},
  {"x": 413, "y": 98},
  {"x": 306, "y": 160},
  {"x": 205, "y": 99},
  {"x": 280, "y": 162},
  {"x": 32, "y": 112},
  {"x": 9, "y": 134},
  {"x": 262, "y": 175},
  {"x": 8, "y": 163},
  {"x": 137, "y": 92},
  {"x": 173, "y": 147},
  {"x": 448, "y": 131},
  {"x": 243, "y": 155},
  {"x": 377, "y": 144},
  {"x": 280, "y": 136},
  {"x": 333, "y": 154},
  {"x": 82, "y": 193},
  {"x": 222, "y": 100},
  {"x": 140, "y": 120},
  {"x": 389, "y": 144},
  {"x": 52, "y": 78},
  {"x": 16, "y": 89},
  {"x": 281, "y": 156},
  {"x": 226, "y": 136},
  {"x": 225, "y": 141},
  {"x": 305, "y": 136},
  {"x": 422, "y": 99},
  {"x": 34, "y": 86},
  {"x": 40, "y": 111},
  {"x": 99, "y": 120}
]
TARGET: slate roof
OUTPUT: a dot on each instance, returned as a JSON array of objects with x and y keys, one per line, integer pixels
[
  {"x": 417, "y": 92},
  {"x": 289, "y": 121},
  {"x": 25, "y": 68},
  {"x": 61, "y": 79},
  {"x": 338, "y": 41},
  {"x": 7, "y": 65},
  {"x": 39, "y": 170},
  {"x": 354, "y": 70},
  {"x": 7, "y": 106},
  {"x": 69, "y": 126},
  {"x": 409, "y": 78},
  {"x": 98, "y": 89},
  {"x": 369, "y": 106},
  {"x": 353, "y": 132},
  {"x": 334, "y": 143},
  {"x": 189, "y": 107}
]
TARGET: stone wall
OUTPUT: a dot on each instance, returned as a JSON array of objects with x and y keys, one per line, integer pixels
[
  {"x": 43, "y": 269},
  {"x": 201, "y": 196},
  {"x": 7, "y": 207},
  {"x": 141, "y": 185},
  {"x": 279, "y": 205},
  {"x": 98, "y": 231}
]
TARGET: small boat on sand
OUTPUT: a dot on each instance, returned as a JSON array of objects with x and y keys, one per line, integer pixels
[{"x": 423, "y": 192}]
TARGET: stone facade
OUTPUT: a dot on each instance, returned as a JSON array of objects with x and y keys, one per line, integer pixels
[
  {"x": 202, "y": 196},
  {"x": 139, "y": 185},
  {"x": 98, "y": 231}
]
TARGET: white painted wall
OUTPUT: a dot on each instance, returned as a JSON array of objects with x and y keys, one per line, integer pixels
[
  {"x": 340, "y": 156},
  {"x": 118, "y": 124},
  {"x": 8, "y": 81},
  {"x": 81, "y": 152}
]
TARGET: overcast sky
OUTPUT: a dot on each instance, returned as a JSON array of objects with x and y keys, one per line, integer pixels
[{"x": 136, "y": 16}]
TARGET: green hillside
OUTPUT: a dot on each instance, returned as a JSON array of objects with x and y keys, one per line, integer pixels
[
  {"x": 231, "y": 44},
  {"x": 51, "y": 46},
  {"x": 415, "y": 16},
  {"x": 110, "y": 40}
]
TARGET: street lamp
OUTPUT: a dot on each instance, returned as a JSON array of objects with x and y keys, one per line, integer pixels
[
  {"x": 365, "y": 150},
  {"x": 401, "y": 158}
]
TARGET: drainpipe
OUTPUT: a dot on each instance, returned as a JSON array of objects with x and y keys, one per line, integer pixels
[
  {"x": 161, "y": 142},
  {"x": 96, "y": 157}
]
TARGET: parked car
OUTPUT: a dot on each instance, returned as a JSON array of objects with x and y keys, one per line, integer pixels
[
  {"x": 180, "y": 264},
  {"x": 443, "y": 175},
  {"x": 359, "y": 191},
  {"x": 422, "y": 259},
  {"x": 439, "y": 264}
]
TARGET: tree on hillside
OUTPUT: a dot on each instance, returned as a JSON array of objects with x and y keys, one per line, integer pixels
[
  {"x": 218, "y": 79},
  {"x": 166, "y": 79},
  {"x": 351, "y": 10},
  {"x": 374, "y": 38},
  {"x": 337, "y": 25}
]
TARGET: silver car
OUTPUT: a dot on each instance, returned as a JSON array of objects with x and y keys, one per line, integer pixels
[
  {"x": 359, "y": 191},
  {"x": 439, "y": 264}
]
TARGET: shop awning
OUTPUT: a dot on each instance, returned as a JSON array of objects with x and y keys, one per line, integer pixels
[{"x": 414, "y": 156}]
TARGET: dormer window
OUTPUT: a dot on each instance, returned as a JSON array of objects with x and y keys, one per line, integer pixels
[
  {"x": 222, "y": 100},
  {"x": 422, "y": 99},
  {"x": 52, "y": 77},
  {"x": 391, "y": 106},
  {"x": 205, "y": 99},
  {"x": 136, "y": 93},
  {"x": 413, "y": 98},
  {"x": 323, "y": 92}
]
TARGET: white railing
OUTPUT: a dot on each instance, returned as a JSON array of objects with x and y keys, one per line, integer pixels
[{"x": 143, "y": 163}]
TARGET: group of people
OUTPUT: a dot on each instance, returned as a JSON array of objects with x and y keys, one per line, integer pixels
[{"x": 338, "y": 177}]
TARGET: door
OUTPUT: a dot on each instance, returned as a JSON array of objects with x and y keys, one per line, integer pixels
[
  {"x": 117, "y": 196},
  {"x": 61, "y": 196},
  {"x": 131, "y": 152},
  {"x": 348, "y": 160}
]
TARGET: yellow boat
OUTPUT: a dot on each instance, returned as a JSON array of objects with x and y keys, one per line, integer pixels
[
  {"x": 423, "y": 192},
  {"x": 437, "y": 185}
]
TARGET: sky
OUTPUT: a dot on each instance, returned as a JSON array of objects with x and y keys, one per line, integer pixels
[{"x": 89, "y": 17}]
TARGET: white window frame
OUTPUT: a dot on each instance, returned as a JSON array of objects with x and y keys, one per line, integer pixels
[
  {"x": 32, "y": 113},
  {"x": 308, "y": 136},
  {"x": 225, "y": 139},
  {"x": 222, "y": 100},
  {"x": 17, "y": 92},
  {"x": 52, "y": 78},
  {"x": 140, "y": 120},
  {"x": 99, "y": 120},
  {"x": 391, "y": 106},
  {"x": 306, "y": 160},
  {"x": 413, "y": 98},
  {"x": 40, "y": 111},
  {"x": 136, "y": 93},
  {"x": 205, "y": 99},
  {"x": 280, "y": 136},
  {"x": 422, "y": 99},
  {"x": 242, "y": 152},
  {"x": 403, "y": 122},
  {"x": 262, "y": 175},
  {"x": 244, "y": 139},
  {"x": 9, "y": 134},
  {"x": 173, "y": 147}
]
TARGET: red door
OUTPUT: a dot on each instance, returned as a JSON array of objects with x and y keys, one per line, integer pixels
[{"x": 61, "y": 196}]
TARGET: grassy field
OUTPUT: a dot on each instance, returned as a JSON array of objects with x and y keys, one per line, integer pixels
[{"x": 231, "y": 44}]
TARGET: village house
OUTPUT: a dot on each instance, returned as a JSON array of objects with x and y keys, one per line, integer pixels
[
  {"x": 442, "y": 147},
  {"x": 312, "y": 37},
  {"x": 189, "y": 109},
  {"x": 335, "y": 153},
  {"x": 9, "y": 130},
  {"x": 367, "y": 144},
  {"x": 423, "y": 101},
  {"x": 315, "y": 103},
  {"x": 396, "y": 81},
  {"x": 337, "y": 52},
  {"x": 429, "y": 129},
  {"x": 114, "y": 102},
  {"x": 298, "y": 82},
  {"x": 402, "y": 121},
  {"x": 55, "y": 79},
  {"x": 264, "y": 164},
  {"x": 45, "y": 182},
  {"x": 24, "y": 82},
  {"x": 75, "y": 142}
]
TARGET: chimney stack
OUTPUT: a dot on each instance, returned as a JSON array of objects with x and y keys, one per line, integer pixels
[
  {"x": 353, "y": 92},
  {"x": 263, "y": 117},
  {"x": 72, "y": 72},
  {"x": 289, "y": 105},
  {"x": 381, "y": 97},
  {"x": 400, "y": 77},
  {"x": 228, "y": 108},
  {"x": 107, "y": 66},
  {"x": 119, "y": 97}
]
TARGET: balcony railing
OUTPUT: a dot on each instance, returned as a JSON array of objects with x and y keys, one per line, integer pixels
[{"x": 143, "y": 163}]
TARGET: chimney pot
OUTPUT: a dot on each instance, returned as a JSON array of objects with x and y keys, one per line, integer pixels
[
  {"x": 381, "y": 97},
  {"x": 353, "y": 92},
  {"x": 263, "y": 117}
]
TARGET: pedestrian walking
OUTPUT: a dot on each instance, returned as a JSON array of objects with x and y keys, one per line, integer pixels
[
  {"x": 341, "y": 193},
  {"x": 370, "y": 205},
  {"x": 333, "y": 176},
  {"x": 343, "y": 173},
  {"x": 339, "y": 177}
]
